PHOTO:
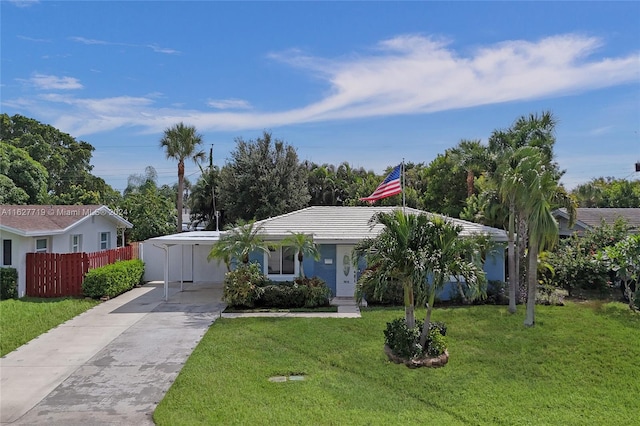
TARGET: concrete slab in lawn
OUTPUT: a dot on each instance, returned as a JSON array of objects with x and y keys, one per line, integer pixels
[{"x": 111, "y": 364}]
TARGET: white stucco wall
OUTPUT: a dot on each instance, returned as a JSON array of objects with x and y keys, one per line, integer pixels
[
  {"x": 20, "y": 246},
  {"x": 188, "y": 262}
]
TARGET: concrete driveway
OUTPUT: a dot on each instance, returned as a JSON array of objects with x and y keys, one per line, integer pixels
[{"x": 111, "y": 364}]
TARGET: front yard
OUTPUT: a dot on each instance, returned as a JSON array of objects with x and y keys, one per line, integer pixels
[
  {"x": 578, "y": 365},
  {"x": 24, "y": 319}
]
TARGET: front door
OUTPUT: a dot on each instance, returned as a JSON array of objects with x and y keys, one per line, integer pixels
[{"x": 345, "y": 272}]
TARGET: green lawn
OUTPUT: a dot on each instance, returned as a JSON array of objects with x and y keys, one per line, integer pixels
[
  {"x": 578, "y": 366},
  {"x": 24, "y": 319}
]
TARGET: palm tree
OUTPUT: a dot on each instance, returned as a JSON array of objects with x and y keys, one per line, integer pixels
[
  {"x": 303, "y": 245},
  {"x": 473, "y": 157},
  {"x": 446, "y": 254},
  {"x": 238, "y": 244},
  {"x": 542, "y": 227},
  {"x": 181, "y": 143},
  {"x": 395, "y": 255}
]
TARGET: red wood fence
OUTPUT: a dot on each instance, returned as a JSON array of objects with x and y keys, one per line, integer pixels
[{"x": 61, "y": 275}]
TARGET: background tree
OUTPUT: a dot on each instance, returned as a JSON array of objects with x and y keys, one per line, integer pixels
[
  {"x": 303, "y": 245},
  {"x": 10, "y": 193},
  {"x": 472, "y": 157},
  {"x": 263, "y": 179},
  {"x": 608, "y": 192},
  {"x": 151, "y": 213},
  {"x": 21, "y": 172},
  {"x": 445, "y": 189},
  {"x": 181, "y": 143},
  {"x": 201, "y": 199}
]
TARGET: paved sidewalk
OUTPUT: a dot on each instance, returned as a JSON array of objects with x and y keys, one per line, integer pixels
[{"x": 109, "y": 365}]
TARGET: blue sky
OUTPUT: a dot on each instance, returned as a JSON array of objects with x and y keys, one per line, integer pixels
[{"x": 369, "y": 83}]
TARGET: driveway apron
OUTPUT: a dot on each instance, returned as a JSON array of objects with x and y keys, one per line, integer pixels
[{"x": 110, "y": 365}]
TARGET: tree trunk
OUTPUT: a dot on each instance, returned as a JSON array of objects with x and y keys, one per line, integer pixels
[
  {"x": 470, "y": 179},
  {"x": 521, "y": 265},
  {"x": 427, "y": 320},
  {"x": 532, "y": 283},
  {"x": 409, "y": 306},
  {"x": 300, "y": 259},
  {"x": 511, "y": 253},
  {"x": 180, "y": 192}
]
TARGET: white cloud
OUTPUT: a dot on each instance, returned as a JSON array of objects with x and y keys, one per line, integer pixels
[
  {"x": 154, "y": 47},
  {"x": 24, "y": 3},
  {"x": 229, "y": 104},
  {"x": 36, "y": 40},
  {"x": 52, "y": 82},
  {"x": 408, "y": 74}
]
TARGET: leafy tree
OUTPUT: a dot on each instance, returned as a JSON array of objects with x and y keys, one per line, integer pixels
[
  {"x": 181, "y": 143},
  {"x": 444, "y": 189},
  {"x": 10, "y": 193},
  {"x": 24, "y": 173},
  {"x": 263, "y": 179},
  {"x": 303, "y": 245},
  {"x": 624, "y": 259},
  {"x": 238, "y": 243},
  {"x": 608, "y": 192},
  {"x": 66, "y": 159},
  {"x": 143, "y": 204}
]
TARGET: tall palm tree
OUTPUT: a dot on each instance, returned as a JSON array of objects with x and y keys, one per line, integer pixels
[
  {"x": 542, "y": 227},
  {"x": 303, "y": 245},
  {"x": 181, "y": 143},
  {"x": 473, "y": 157},
  {"x": 446, "y": 254},
  {"x": 238, "y": 244}
]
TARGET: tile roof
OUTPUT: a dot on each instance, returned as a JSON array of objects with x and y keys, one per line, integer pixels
[
  {"x": 349, "y": 224},
  {"x": 52, "y": 219},
  {"x": 594, "y": 216}
]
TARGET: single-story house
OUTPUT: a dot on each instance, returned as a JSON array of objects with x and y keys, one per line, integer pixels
[
  {"x": 335, "y": 230},
  {"x": 55, "y": 229},
  {"x": 589, "y": 218}
]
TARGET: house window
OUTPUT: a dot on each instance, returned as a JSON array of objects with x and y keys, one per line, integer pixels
[
  {"x": 105, "y": 240},
  {"x": 6, "y": 252},
  {"x": 281, "y": 261},
  {"x": 76, "y": 243},
  {"x": 41, "y": 245}
]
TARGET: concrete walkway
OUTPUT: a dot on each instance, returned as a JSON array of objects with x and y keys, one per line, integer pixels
[{"x": 111, "y": 364}]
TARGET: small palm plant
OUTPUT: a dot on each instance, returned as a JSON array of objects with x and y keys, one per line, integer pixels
[
  {"x": 238, "y": 244},
  {"x": 304, "y": 246}
]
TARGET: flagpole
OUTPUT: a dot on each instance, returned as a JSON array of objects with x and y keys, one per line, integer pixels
[{"x": 404, "y": 203}]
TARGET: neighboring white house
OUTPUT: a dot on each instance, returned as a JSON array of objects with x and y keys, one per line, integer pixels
[
  {"x": 55, "y": 229},
  {"x": 336, "y": 231}
]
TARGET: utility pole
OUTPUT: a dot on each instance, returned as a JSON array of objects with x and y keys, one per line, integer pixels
[{"x": 213, "y": 190}]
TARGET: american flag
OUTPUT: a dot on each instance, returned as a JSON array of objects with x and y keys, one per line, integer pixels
[{"x": 390, "y": 186}]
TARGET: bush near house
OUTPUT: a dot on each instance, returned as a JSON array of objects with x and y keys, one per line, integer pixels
[
  {"x": 247, "y": 287},
  {"x": 112, "y": 280},
  {"x": 8, "y": 283}
]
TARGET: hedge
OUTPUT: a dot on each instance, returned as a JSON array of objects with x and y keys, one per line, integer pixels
[
  {"x": 8, "y": 283},
  {"x": 112, "y": 280}
]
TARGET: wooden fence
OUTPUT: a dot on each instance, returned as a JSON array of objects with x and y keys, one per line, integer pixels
[{"x": 61, "y": 275}]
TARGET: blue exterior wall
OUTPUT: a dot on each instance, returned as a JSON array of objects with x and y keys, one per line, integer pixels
[
  {"x": 494, "y": 268},
  {"x": 322, "y": 270}
]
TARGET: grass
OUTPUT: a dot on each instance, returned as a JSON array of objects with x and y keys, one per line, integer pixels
[
  {"x": 577, "y": 366},
  {"x": 24, "y": 319}
]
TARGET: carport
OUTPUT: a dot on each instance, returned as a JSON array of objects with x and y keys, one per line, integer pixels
[{"x": 192, "y": 249}]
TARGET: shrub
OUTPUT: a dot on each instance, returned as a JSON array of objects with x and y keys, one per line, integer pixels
[
  {"x": 303, "y": 292},
  {"x": 244, "y": 285},
  {"x": 8, "y": 283},
  {"x": 497, "y": 293},
  {"x": 112, "y": 280},
  {"x": 389, "y": 294},
  {"x": 405, "y": 342}
]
